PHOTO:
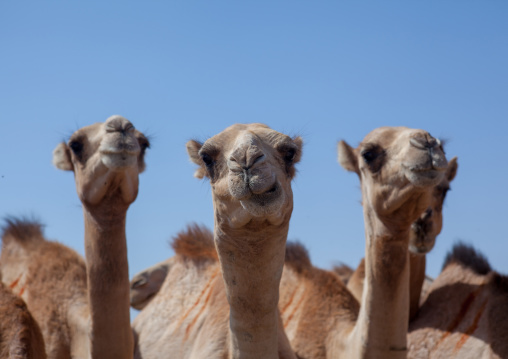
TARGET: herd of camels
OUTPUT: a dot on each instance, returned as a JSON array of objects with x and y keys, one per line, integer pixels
[{"x": 241, "y": 291}]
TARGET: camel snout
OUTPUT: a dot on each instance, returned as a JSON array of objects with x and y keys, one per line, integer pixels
[
  {"x": 424, "y": 141},
  {"x": 118, "y": 124}
]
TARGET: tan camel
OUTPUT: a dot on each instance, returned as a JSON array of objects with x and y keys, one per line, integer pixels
[
  {"x": 464, "y": 315},
  {"x": 398, "y": 168},
  {"x": 198, "y": 315},
  {"x": 106, "y": 159},
  {"x": 20, "y": 335},
  {"x": 423, "y": 234},
  {"x": 51, "y": 278},
  {"x": 146, "y": 284},
  {"x": 328, "y": 327}
]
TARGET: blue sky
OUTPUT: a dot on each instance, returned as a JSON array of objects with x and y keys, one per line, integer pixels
[{"x": 324, "y": 70}]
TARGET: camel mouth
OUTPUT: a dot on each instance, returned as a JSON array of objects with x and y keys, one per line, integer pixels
[
  {"x": 265, "y": 198},
  {"x": 420, "y": 240},
  {"x": 424, "y": 176},
  {"x": 141, "y": 303},
  {"x": 120, "y": 159},
  {"x": 266, "y": 203},
  {"x": 420, "y": 248}
]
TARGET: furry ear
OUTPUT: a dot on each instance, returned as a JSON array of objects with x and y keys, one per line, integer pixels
[
  {"x": 347, "y": 157},
  {"x": 62, "y": 157},
  {"x": 298, "y": 141},
  {"x": 193, "y": 148},
  {"x": 451, "y": 170}
]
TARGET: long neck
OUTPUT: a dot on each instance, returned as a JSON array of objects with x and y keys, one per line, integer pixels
[
  {"x": 251, "y": 262},
  {"x": 416, "y": 280},
  {"x": 381, "y": 328},
  {"x": 108, "y": 285}
]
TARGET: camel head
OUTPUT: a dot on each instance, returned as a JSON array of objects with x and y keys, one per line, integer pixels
[
  {"x": 397, "y": 167},
  {"x": 104, "y": 157},
  {"x": 146, "y": 284},
  {"x": 250, "y": 168},
  {"x": 430, "y": 223}
]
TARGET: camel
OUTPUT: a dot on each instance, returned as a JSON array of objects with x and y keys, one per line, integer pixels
[
  {"x": 51, "y": 278},
  {"x": 423, "y": 234},
  {"x": 20, "y": 335},
  {"x": 198, "y": 315},
  {"x": 398, "y": 169},
  {"x": 146, "y": 284},
  {"x": 464, "y": 315},
  {"x": 106, "y": 159}
]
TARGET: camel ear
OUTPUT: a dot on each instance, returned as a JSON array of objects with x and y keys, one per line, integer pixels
[
  {"x": 451, "y": 171},
  {"x": 298, "y": 141},
  {"x": 193, "y": 148},
  {"x": 62, "y": 157},
  {"x": 347, "y": 157}
]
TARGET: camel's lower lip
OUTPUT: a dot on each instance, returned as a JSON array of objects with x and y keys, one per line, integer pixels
[
  {"x": 265, "y": 198},
  {"x": 423, "y": 176}
]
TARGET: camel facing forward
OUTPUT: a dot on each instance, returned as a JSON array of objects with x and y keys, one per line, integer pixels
[{"x": 198, "y": 314}]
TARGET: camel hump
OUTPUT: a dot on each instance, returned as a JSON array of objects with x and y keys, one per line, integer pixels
[
  {"x": 469, "y": 257},
  {"x": 195, "y": 242},
  {"x": 297, "y": 256},
  {"x": 22, "y": 230}
]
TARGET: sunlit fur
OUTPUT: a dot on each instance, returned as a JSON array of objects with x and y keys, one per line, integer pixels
[
  {"x": 222, "y": 309},
  {"x": 464, "y": 315},
  {"x": 51, "y": 278},
  {"x": 106, "y": 159}
]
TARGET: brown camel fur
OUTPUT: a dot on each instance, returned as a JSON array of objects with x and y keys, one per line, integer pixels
[
  {"x": 398, "y": 168},
  {"x": 464, "y": 315},
  {"x": 106, "y": 159},
  {"x": 146, "y": 284},
  {"x": 250, "y": 168},
  {"x": 20, "y": 335},
  {"x": 51, "y": 278},
  {"x": 325, "y": 327},
  {"x": 423, "y": 234}
]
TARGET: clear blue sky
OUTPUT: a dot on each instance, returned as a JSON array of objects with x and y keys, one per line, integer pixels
[{"x": 325, "y": 70}]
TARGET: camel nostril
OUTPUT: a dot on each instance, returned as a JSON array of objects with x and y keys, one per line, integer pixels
[
  {"x": 118, "y": 124},
  {"x": 432, "y": 142},
  {"x": 258, "y": 159},
  {"x": 419, "y": 141}
]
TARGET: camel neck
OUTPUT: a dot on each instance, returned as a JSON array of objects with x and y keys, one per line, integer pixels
[
  {"x": 108, "y": 285},
  {"x": 251, "y": 263},
  {"x": 417, "y": 264},
  {"x": 381, "y": 328}
]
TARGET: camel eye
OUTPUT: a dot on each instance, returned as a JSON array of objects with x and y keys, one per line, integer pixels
[
  {"x": 207, "y": 159},
  {"x": 76, "y": 147},
  {"x": 368, "y": 156}
]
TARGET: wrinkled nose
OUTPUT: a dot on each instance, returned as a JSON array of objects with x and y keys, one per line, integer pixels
[
  {"x": 245, "y": 157},
  {"x": 118, "y": 124},
  {"x": 424, "y": 141}
]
